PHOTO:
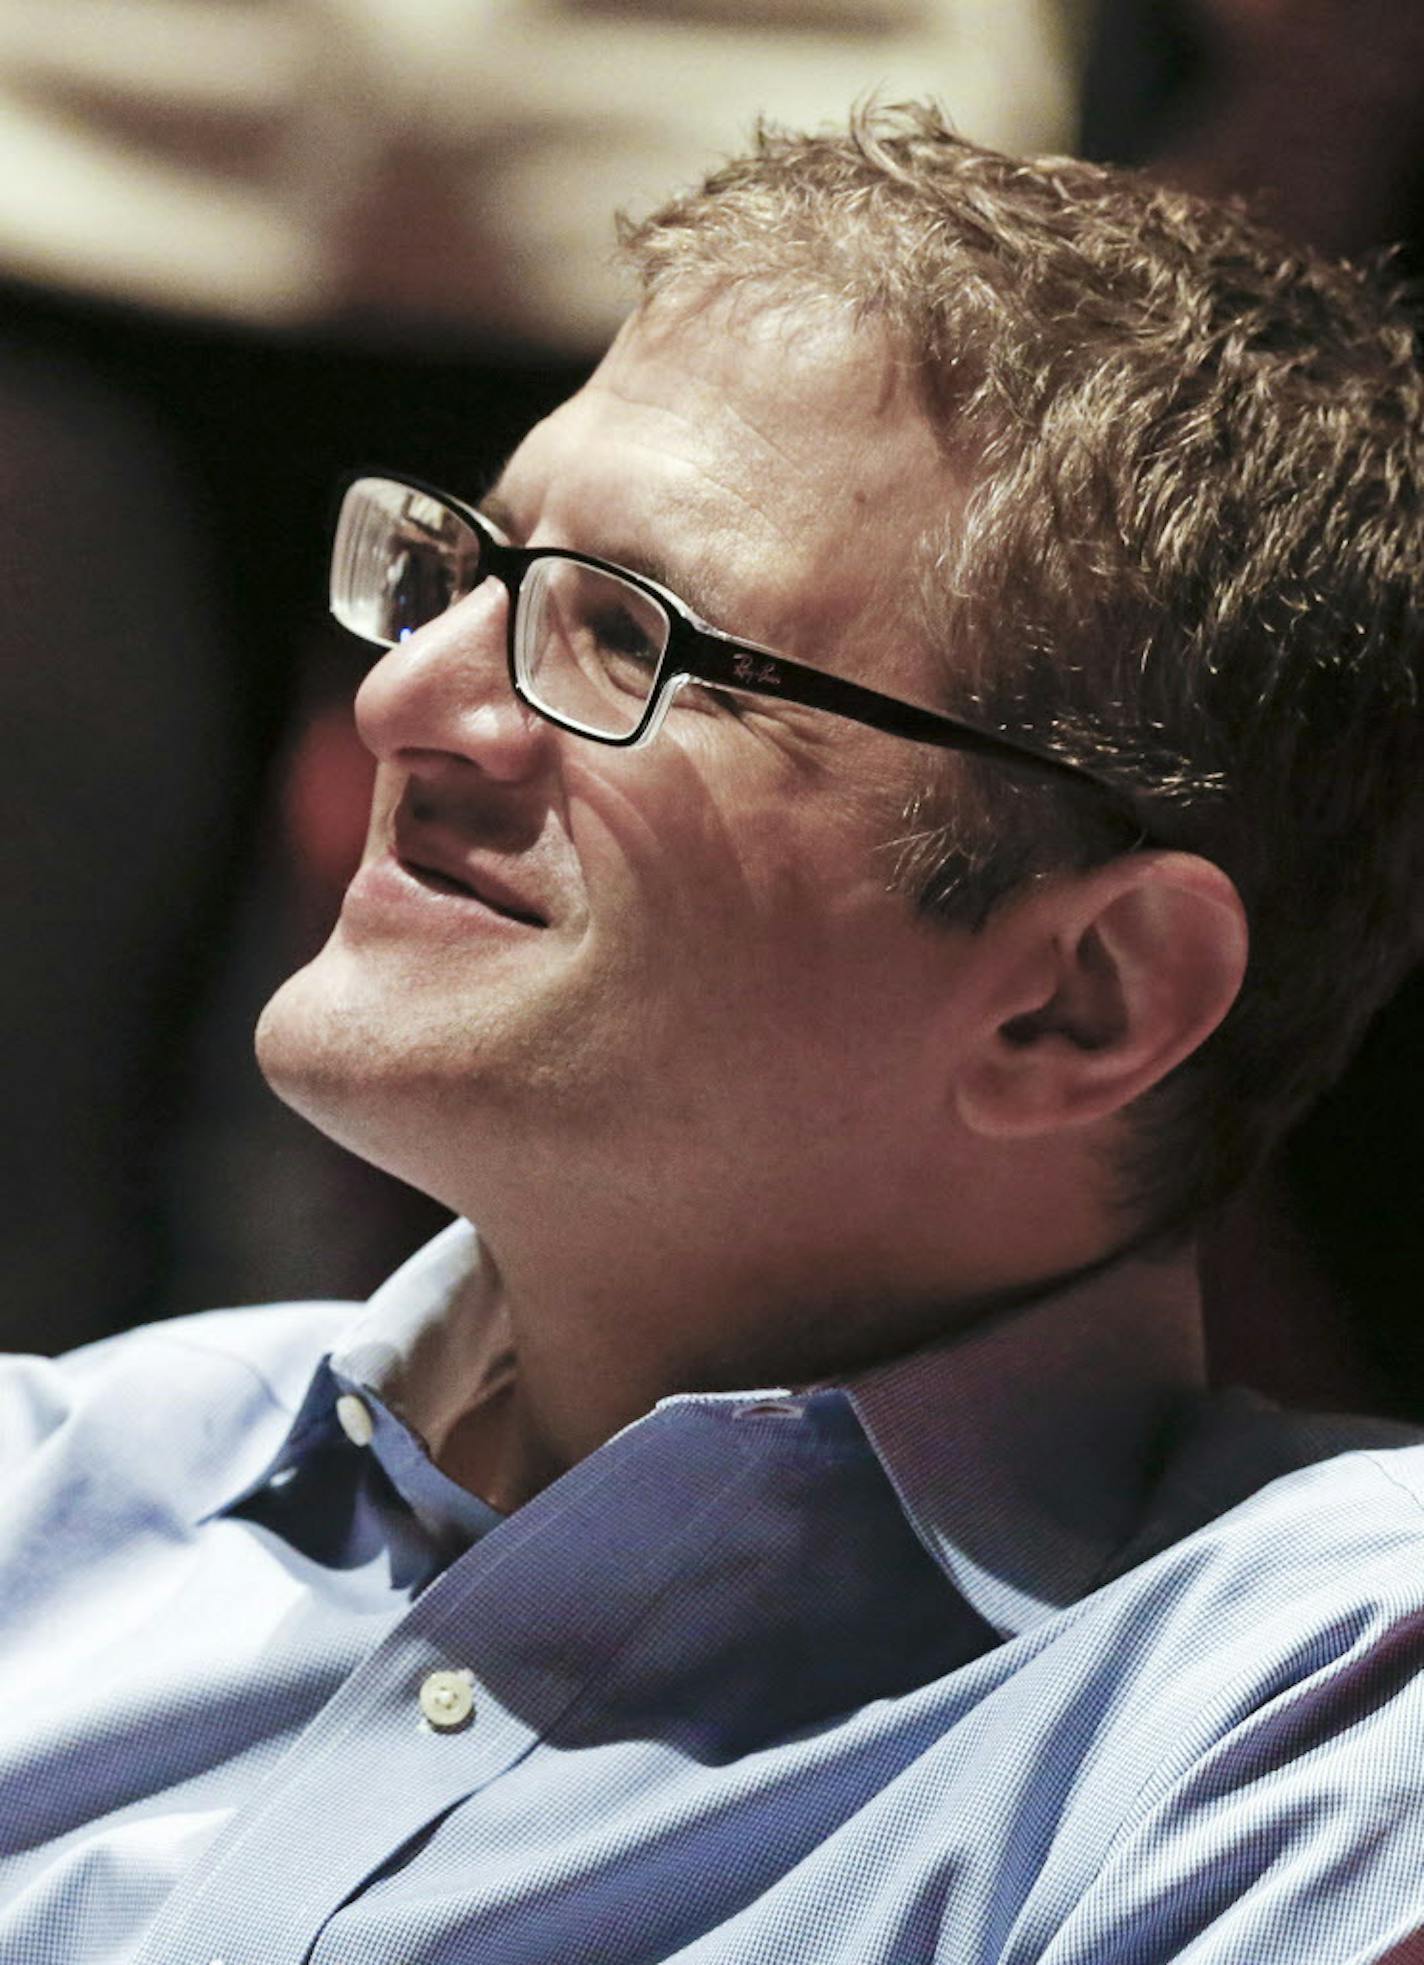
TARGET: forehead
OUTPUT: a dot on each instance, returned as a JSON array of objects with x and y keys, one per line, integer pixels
[{"x": 773, "y": 466}]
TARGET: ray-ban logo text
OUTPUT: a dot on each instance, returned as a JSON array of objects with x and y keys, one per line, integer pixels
[{"x": 755, "y": 668}]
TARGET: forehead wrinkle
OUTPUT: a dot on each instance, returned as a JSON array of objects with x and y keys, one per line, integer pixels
[
  {"x": 789, "y": 595},
  {"x": 704, "y": 449},
  {"x": 718, "y": 422},
  {"x": 785, "y": 518},
  {"x": 781, "y": 553},
  {"x": 694, "y": 580},
  {"x": 698, "y": 576}
]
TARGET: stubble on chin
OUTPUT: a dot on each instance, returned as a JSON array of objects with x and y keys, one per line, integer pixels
[
  {"x": 337, "y": 1067},
  {"x": 303, "y": 1041}
]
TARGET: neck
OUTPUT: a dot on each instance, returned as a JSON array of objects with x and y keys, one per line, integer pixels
[{"x": 596, "y": 1347}]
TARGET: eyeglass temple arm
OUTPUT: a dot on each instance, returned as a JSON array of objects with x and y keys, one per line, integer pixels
[{"x": 762, "y": 672}]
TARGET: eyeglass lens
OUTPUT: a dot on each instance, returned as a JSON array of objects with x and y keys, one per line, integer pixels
[
  {"x": 399, "y": 558},
  {"x": 587, "y": 646},
  {"x": 586, "y": 643}
]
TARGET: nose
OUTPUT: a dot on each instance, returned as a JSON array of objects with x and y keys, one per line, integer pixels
[{"x": 446, "y": 689}]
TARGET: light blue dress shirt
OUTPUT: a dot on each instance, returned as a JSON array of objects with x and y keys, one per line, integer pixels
[{"x": 1021, "y": 1648}]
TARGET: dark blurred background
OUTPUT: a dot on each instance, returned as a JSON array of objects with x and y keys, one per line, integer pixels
[
  {"x": 247, "y": 245},
  {"x": 1314, "y": 109}
]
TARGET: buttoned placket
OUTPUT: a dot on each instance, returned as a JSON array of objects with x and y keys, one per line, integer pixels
[{"x": 376, "y": 1744}]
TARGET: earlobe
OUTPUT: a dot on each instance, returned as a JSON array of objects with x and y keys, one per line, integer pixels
[{"x": 1109, "y": 980}]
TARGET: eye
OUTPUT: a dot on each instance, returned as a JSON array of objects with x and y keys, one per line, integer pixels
[{"x": 623, "y": 638}]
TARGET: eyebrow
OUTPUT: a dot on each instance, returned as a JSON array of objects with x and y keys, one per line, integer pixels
[{"x": 631, "y": 558}]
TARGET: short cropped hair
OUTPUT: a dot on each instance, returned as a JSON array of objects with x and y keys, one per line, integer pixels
[{"x": 1190, "y": 556}]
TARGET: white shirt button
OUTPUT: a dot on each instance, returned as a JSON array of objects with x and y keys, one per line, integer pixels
[
  {"x": 448, "y": 1698},
  {"x": 354, "y": 1417}
]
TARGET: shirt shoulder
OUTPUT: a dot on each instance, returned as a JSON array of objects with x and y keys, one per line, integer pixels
[
  {"x": 185, "y": 1397},
  {"x": 1316, "y": 1566},
  {"x": 1322, "y": 1551},
  {"x": 1253, "y": 1700}
]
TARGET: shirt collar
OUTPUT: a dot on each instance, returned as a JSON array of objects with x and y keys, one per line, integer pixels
[
  {"x": 433, "y": 1342},
  {"x": 1023, "y": 1448}
]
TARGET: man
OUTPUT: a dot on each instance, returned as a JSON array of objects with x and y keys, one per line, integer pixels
[{"x": 796, "y": 1527}]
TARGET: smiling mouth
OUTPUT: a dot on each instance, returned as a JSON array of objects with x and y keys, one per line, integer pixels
[{"x": 440, "y": 882}]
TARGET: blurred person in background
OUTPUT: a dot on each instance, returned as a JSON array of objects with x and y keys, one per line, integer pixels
[
  {"x": 244, "y": 245},
  {"x": 887, "y": 810}
]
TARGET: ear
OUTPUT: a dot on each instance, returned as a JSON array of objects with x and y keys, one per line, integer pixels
[{"x": 1099, "y": 985}]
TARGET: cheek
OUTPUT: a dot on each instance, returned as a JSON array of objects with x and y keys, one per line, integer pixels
[
  {"x": 672, "y": 842},
  {"x": 734, "y": 875}
]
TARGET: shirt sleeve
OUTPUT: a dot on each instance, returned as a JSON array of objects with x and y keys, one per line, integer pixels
[
  {"x": 37, "y": 1396},
  {"x": 1298, "y": 1837}
]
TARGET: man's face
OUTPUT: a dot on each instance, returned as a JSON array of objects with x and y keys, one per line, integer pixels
[{"x": 673, "y": 977}]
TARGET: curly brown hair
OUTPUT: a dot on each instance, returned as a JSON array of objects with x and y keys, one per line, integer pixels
[{"x": 1191, "y": 556}]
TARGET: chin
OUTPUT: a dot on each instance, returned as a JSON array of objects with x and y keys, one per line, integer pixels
[
  {"x": 331, "y": 1062},
  {"x": 298, "y": 1045},
  {"x": 364, "y": 1061}
]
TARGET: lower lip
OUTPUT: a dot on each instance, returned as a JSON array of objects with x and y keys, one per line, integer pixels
[{"x": 385, "y": 893}]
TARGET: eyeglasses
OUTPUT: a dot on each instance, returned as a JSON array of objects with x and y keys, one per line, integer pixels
[{"x": 596, "y": 649}]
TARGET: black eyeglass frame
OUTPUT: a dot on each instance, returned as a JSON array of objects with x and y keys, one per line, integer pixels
[{"x": 698, "y": 652}]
